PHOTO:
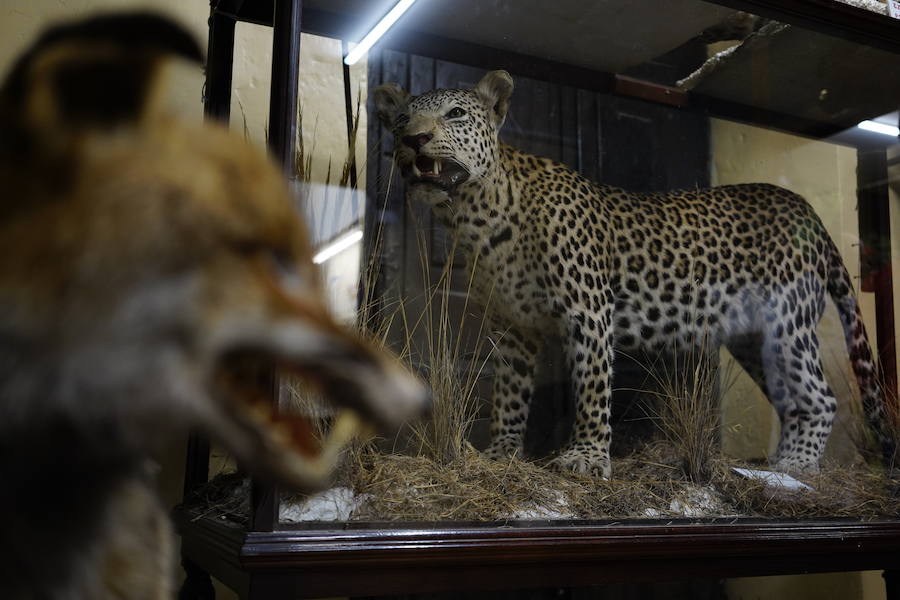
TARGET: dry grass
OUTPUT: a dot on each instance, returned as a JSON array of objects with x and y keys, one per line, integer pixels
[
  {"x": 866, "y": 440},
  {"x": 682, "y": 474},
  {"x": 839, "y": 492},
  {"x": 225, "y": 496},
  {"x": 647, "y": 484},
  {"x": 685, "y": 405},
  {"x": 451, "y": 371},
  {"x": 473, "y": 488}
]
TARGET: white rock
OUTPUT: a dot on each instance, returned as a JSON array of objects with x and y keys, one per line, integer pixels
[
  {"x": 557, "y": 509},
  {"x": 696, "y": 502},
  {"x": 336, "y": 504}
]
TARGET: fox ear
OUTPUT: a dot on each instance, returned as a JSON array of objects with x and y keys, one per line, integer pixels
[
  {"x": 390, "y": 99},
  {"x": 96, "y": 73}
]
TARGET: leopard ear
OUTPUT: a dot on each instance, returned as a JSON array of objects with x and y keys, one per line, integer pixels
[
  {"x": 92, "y": 74},
  {"x": 495, "y": 89},
  {"x": 390, "y": 99}
]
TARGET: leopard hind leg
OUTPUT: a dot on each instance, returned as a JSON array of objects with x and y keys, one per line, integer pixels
[{"x": 797, "y": 387}]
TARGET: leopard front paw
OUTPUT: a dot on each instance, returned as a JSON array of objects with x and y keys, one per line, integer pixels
[
  {"x": 586, "y": 458},
  {"x": 503, "y": 449},
  {"x": 796, "y": 465}
]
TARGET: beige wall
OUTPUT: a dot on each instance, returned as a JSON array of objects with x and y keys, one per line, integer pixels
[
  {"x": 894, "y": 203},
  {"x": 321, "y": 95},
  {"x": 826, "y": 586}
]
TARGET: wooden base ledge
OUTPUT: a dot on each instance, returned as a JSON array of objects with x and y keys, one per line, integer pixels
[{"x": 396, "y": 559}]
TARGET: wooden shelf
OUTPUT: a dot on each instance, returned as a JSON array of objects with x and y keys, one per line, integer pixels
[{"x": 390, "y": 558}]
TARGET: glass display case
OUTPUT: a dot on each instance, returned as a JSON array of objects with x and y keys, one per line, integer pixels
[{"x": 642, "y": 255}]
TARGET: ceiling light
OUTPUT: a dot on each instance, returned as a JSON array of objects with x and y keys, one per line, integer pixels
[
  {"x": 880, "y": 128},
  {"x": 379, "y": 30},
  {"x": 337, "y": 246}
]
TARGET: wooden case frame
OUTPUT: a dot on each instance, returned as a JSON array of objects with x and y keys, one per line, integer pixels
[{"x": 269, "y": 560}]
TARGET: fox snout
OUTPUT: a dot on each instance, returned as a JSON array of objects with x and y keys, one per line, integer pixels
[
  {"x": 367, "y": 388},
  {"x": 356, "y": 373}
]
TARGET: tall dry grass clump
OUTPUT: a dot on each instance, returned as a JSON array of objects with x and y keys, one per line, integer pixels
[
  {"x": 866, "y": 439},
  {"x": 451, "y": 371},
  {"x": 688, "y": 394},
  {"x": 423, "y": 331}
]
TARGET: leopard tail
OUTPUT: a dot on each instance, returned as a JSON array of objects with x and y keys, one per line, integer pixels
[{"x": 862, "y": 360}]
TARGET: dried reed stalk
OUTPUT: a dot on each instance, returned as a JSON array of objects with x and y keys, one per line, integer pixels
[{"x": 685, "y": 403}]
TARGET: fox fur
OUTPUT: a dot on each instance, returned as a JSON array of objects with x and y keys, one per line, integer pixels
[{"x": 139, "y": 256}]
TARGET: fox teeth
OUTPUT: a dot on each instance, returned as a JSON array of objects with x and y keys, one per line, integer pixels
[{"x": 346, "y": 425}]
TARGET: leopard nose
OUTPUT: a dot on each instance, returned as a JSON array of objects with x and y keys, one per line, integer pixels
[{"x": 418, "y": 140}]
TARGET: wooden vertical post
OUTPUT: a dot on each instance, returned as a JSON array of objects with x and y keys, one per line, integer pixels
[
  {"x": 219, "y": 65},
  {"x": 875, "y": 257},
  {"x": 284, "y": 93},
  {"x": 892, "y": 584},
  {"x": 217, "y": 106},
  {"x": 348, "y": 112},
  {"x": 283, "y": 101}
]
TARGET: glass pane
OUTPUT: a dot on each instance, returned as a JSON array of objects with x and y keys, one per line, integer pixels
[{"x": 646, "y": 276}]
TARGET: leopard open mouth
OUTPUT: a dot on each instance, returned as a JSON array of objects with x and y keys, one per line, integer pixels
[{"x": 445, "y": 173}]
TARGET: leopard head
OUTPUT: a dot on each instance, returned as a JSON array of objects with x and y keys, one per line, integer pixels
[{"x": 444, "y": 138}]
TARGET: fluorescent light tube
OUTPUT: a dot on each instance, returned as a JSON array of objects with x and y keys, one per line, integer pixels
[
  {"x": 879, "y": 128},
  {"x": 337, "y": 246},
  {"x": 379, "y": 30}
]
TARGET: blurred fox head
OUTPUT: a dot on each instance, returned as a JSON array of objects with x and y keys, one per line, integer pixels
[{"x": 143, "y": 259}]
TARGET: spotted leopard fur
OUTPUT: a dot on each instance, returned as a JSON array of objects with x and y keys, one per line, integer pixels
[{"x": 747, "y": 266}]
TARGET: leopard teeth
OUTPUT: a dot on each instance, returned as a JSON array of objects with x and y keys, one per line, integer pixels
[{"x": 437, "y": 166}]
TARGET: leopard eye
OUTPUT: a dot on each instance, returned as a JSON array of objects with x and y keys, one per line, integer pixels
[{"x": 455, "y": 113}]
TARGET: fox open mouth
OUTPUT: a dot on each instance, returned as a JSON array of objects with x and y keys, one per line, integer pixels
[
  {"x": 287, "y": 445},
  {"x": 445, "y": 173}
]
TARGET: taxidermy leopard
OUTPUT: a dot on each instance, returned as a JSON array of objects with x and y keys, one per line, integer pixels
[{"x": 747, "y": 266}]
